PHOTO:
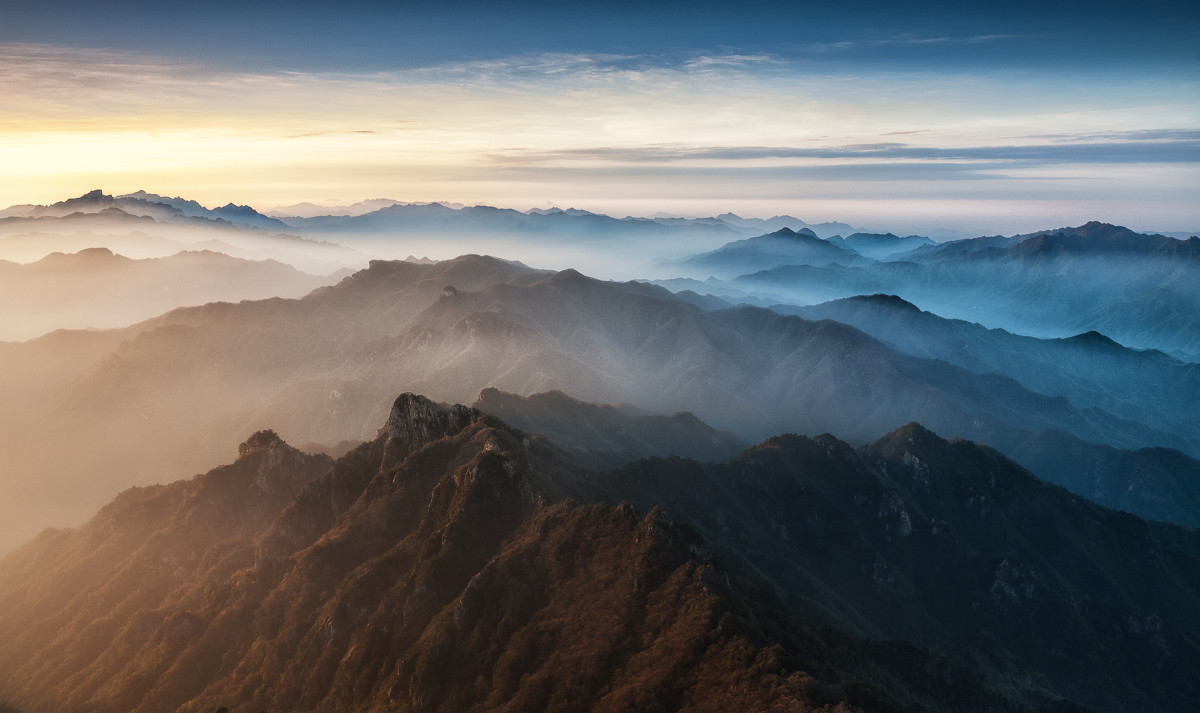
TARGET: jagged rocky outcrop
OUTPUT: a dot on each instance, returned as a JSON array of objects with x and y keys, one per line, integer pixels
[{"x": 451, "y": 564}]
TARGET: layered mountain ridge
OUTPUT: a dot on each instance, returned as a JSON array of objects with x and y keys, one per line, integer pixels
[
  {"x": 148, "y": 205},
  {"x": 144, "y": 225},
  {"x": 173, "y": 390},
  {"x": 1137, "y": 289}
]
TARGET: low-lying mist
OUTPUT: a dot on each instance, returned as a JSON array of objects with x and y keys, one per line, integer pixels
[
  {"x": 97, "y": 289},
  {"x": 95, "y": 412},
  {"x": 30, "y": 240},
  {"x": 615, "y": 258}
]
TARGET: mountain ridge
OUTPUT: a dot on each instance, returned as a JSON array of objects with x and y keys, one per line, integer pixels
[
  {"x": 444, "y": 570},
  {"x": 658, "y": 567},
  {"x": 293, "y": 364},
  {"x": 1138, "y": 289}
]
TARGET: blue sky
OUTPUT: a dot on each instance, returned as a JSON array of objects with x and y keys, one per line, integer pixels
[
  {"x": 387, "y": 35},
  {"x": 969, "y": 117}
]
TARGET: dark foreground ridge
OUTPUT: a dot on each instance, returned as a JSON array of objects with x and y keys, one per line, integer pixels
[{"x": 449, "y": 565}]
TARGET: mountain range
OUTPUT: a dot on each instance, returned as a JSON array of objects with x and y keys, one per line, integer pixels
[
  {"x": 1089, "y": 369},
  {"x": 143, "y": 225},
  {"x": 625, "y": 517},
  {"x": 782, "y": 247},
  {"x": 147, "y": 205},
  {"x": 1139, "y": 290},
  {"x": 446, "y": 218},
  {"x": 164, "y": 397},
  {"x": 318, "y": 240},
  {"x": 452, "y": 563}
]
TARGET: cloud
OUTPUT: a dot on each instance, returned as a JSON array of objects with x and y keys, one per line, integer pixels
[
  {"x": 1157, "y": 135},
  {"x": 870, "y": 172},
  {"x": 909, "y": 40},
  {"x": 1167, "y": 146},
  {"x": 347, "y": 132}
]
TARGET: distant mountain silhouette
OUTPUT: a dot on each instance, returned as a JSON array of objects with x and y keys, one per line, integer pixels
[
  {"x": 437, "y": 219},
  {"x": 457, "y": 220},
  {"x": 312, "y": 210},
  {"x": 881, "y": 246},
  {"x": 768, "y": 225},
  {"x": 1089, "y": 369},
  {"x": 149, "y": 205},
  {"x": 94, "y": 288},
  {"x": 782, "y": 247},
  {"x": 1141, "y": 290},
  {"x": 144, "y": 225},
  {"x": 1093, "y": 238},
  {"x": 1153, "y": 483}
]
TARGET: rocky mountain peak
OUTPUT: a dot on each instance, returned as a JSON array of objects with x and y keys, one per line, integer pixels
[
  {"x": 569, "y": 277},
  {"x": 786, "y": 232},
  {"x": 894, "y": 301},
  {"x": 912, "y": 436},
  {"x": 415, "y": 420},
  {"x": 1094, "y": 338},
  {"x": 261, "y": 441}
]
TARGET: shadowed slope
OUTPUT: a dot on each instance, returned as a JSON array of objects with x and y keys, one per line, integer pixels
[
  {"x": 952, "y": 546},
  {"x": 604, "y": 436}
]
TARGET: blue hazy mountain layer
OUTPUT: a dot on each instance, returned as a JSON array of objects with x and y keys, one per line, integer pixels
[{"x": 1142, "y": 291}]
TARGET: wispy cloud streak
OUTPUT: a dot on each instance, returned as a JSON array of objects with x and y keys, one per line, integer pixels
[
  {"x": 909, "y": 40},
  {"x": 1167, "y": 147}
]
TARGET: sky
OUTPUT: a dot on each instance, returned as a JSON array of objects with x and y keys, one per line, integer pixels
[{"x": 934, "y": 117}]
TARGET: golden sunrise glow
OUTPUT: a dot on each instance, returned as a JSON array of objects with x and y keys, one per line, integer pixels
[{"x": 549, "y": 128}]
